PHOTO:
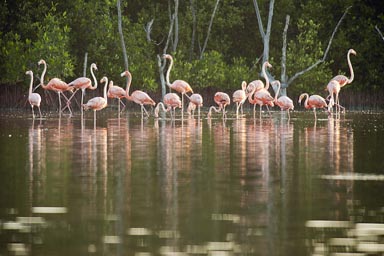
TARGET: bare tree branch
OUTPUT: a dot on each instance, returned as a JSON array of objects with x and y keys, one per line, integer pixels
[
  {"x": 325, "y": 53},
  {"x": 284, "y": 54},
  {"x": 148, "y": 30},
  {"x": 193, "y": 36},
  {"x": 161, "y": 62},
  {"x": 176, "y": 23},
  {"x": 121, "y": 35},
  {"x": 209, "y": 29},
  {"x": 378, "y": 30},
  {"x": 259, "y": 21}
]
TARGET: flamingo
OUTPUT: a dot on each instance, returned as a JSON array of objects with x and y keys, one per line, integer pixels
[
  {"x": 33, "y": 98},
  {"x": 196, "y": 100},
  {"x": 284, "y": 102},
  {"x": 262, "y": 96},
  {"x": 313, "y": 102},
  {"x": 139, "y": 97},
  {"x": 98, "y": 103},
  {"x": 222, "y": 99},
  {"x": 84, "y": 83},
  {"x": 56, "y": 85},
  {"x": 258, "y": 84},
  {"x": 171, "y": 100},
  {"x": 343, "y": 80},
  {"x": 180, "y": 86},
  {"x": 339, "y": 81},
  {"x": 116, "y": 92},
  {"x": 251, "y": 88},
  {"x": 239, "y": 97},
  {"x": 333, "y": 88}
]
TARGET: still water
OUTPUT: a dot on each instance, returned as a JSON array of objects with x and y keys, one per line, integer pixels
[{"x": 263, "y": 186}]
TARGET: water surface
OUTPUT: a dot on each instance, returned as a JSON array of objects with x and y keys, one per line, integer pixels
[{"x": 252, "y": 186}]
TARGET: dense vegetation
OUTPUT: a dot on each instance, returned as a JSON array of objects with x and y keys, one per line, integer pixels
[{"x": 62, "y": 32}]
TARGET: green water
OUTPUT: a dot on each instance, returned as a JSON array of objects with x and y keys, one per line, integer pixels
[{"x": 197, "y": 187}]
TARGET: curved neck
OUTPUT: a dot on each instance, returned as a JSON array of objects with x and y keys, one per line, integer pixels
[
  {"x": 128, "y": 86},
  {"x": 94, "y": 78},
  {"x": 31, "y": 84},
  {"x": 42, "y": 75},
  {"x": 244, "y": 86},
  {"x": 214, "y": 108},
  {"x": 251, "y": 96},
  {"x": 265, "y": 76},
  {"x": 306, "y": 95},
  {"x": 278, "y": 90},
  {"x": 169, "y": 71},
  {"x": 157, "y": 109},
  {"x": 105, "y": 88},
  {"x": 350, "y": 68}
]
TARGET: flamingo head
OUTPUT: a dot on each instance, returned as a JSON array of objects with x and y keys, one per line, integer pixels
[
  {"x": 104, "y": 79},
  {"x": 301, "y": 98},
  {"x": 126, "y": 73},
  {"x": 167, "y": 56},
  {"x": 110, "y": 84},
  {"x": 41, "y": 62},
  {"x": 267, "y": 64},
  {"x": 352, "y": 51},
  {"x": 29, "y": 72},
  {"x": 93, "y": 66}
]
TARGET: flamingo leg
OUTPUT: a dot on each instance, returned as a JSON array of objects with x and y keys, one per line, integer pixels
[
  {"x": 33, "y": 114},
  {"x": 94, "y": 118},
  {"x": 40, "y": 112},
  {"x": 314, "y": 112},
  {"x": 143, "y": 108},
  {"x": 237, "y": 110},
  {"x": 182, "y": 106},
  {"x": 198, "y": 112}
]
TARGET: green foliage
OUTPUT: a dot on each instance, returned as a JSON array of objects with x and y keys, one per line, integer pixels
[
  {"x": 304, "y": 51},
  {"x": 53, "y": 46},
  {"x": 15, "y": 56},
  {"x": 62, "y": 32}
]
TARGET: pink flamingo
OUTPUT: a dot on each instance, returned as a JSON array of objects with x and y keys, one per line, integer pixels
[
  {"x": 313, "y": 102},
  {"x": 139, "y": 97},
  {"x": 180, "y": 86},
  {"x": 56, "y": 85},
  {"x": 84, "y": 83},
  {"x": 343, "y": 80},
  {"x": 196, "y": 100},
  {"x": 284, "y": 102},
  {"x": 98, "y": 103},
  {"x": 258, "y": 84},
  {"x": 262, "y": 96},
  {"x": 116, "y": 92},
  {"x": 171, "y": 100},
  {"x": 339, "y": 81},
  {"x": 239, "y": 97},
  {"x": 333, "y": 88},
  {"x": 222, "y": 99},
  {"x": 33, "y": 98}
]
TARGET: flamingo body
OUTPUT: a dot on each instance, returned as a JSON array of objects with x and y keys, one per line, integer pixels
[
  {"x": 195, "y": 100},
  {"x": 313, "y": 102},
  {"x": 56, "y": 85},
  {"x": 139, "y": 97},
  {"x": 34, "y": 99}
]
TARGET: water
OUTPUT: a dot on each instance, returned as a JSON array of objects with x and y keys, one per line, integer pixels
[{"x": 155, "y": 187}]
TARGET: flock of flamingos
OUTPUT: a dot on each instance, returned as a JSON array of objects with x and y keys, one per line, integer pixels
[{"x": 256, "y": 92}]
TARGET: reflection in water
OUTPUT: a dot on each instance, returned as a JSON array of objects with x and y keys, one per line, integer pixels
[{"x": 234, "y": 186}]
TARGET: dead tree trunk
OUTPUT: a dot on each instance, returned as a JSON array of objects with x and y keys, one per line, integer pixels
[
  {"x": 121, "y": 35},
  {"x": 161, "y": 62},
  {"x": 209, "y": 29},
  {"x": 285, "y": 82},
  {"x": 176, "y": 28},
  {"x": 265, "y": 34},
  {"x": 193, "y": 36}
]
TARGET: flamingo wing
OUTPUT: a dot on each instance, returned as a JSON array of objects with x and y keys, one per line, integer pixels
[
  {"x": 116, "y": 92},
  {"x": 34, "y": 99},
  {"x": 141, "y": 97},
  {"x": 81, "y": 83},
  {"x": 96, "y": 103}
]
